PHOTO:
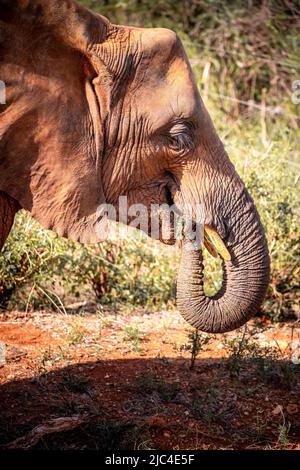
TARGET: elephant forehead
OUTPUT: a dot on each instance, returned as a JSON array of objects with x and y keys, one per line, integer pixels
[
  {"x": 157, "y": 42},
  {"x": 155, "y": 50},
  {"x": 181, "y": 88},
  {"x": 167, "y": 81},
  {"x": 175, "y": 95}
]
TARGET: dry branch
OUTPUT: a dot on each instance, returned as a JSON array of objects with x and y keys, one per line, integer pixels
[{"x": 52, "y": 426}]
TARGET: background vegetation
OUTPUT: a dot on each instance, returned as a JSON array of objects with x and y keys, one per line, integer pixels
[{"x": 245, "y": 56}]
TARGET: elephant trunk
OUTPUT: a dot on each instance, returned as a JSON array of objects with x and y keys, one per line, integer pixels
[{"x": 245, "y": 276}]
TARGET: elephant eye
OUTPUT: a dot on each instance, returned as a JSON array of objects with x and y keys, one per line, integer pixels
[
  {"x": 180, "y": 138},
  {"x": 179, "y": 143}
]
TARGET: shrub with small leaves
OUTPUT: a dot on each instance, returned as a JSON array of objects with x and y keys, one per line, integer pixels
[{"x": 194, "y": 345}]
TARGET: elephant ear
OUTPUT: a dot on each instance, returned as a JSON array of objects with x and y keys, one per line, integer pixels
[{"x": 52, "y": 125}]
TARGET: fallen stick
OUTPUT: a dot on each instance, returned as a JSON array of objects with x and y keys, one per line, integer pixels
[{"x": 52, "y": 426}]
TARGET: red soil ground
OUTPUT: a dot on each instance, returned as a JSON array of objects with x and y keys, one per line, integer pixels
[{"x": 124, "y": 382}]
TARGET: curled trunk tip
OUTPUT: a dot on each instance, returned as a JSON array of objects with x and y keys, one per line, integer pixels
[{"x": 245, "y": 281}]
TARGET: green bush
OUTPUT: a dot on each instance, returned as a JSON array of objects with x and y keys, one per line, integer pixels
[
  {"x": 37, "y": 267},
  {"x": 245, "y": 58},
  {"x": 25, "y": 259}
]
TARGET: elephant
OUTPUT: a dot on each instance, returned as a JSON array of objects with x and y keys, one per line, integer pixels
[{"x": 96, "y": 110}]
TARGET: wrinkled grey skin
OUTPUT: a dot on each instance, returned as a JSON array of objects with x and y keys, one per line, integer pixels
[{"x": 96, "y": 111}]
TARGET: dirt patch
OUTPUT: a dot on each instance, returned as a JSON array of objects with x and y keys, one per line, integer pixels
[{"x": 126, "y": 378}]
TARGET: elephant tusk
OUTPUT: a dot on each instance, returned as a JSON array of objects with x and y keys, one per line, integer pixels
[
  {"x": 214, "y": 244},
  {"x": 209, "y": 246}
]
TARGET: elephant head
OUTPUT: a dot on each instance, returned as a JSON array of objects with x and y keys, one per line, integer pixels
[{"x": 97, "y": 111}]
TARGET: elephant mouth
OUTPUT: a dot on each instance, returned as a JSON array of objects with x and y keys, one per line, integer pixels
[
  {"x": 172, "y": 219},
  {"x": 212, "y": 241},
  {"x": 170, "y": 214}
]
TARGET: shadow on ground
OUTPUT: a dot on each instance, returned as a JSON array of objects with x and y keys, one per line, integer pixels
[{"x": 156, "y": 404}]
